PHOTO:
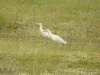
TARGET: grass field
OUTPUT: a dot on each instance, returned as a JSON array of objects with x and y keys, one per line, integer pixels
[{"x": 23, "y": 51}]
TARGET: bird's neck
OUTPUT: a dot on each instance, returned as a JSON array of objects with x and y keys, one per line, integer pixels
[{"x": 41, "y": 28}]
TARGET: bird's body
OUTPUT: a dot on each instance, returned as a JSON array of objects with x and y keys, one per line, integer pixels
[
  {"x": 56, "y": 38},
  {"x": 47, "y": 33}
]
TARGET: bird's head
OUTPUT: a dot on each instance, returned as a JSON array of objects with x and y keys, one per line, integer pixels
[{"x": 39, "y": 24}]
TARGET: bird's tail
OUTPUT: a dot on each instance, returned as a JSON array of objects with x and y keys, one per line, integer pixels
[{"x": 64, "y": 42}]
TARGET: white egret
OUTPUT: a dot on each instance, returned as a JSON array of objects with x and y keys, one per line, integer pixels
[{"x": 47, "y": 33}]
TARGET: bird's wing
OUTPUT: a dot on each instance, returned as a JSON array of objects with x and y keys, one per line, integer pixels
[{"x": 48, "y": 30}]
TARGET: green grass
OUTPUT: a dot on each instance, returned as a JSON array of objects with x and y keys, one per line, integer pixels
[{"x": 25, "y": 52}]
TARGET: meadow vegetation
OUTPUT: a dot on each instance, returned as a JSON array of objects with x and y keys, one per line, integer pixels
[{"x": 23, "y": 51}]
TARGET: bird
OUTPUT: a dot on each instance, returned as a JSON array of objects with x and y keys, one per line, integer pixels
[
  {"x": 44, "y": 33},
  {"x": 47, "y": 33},
  {"x": 56, "y": 38}
]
